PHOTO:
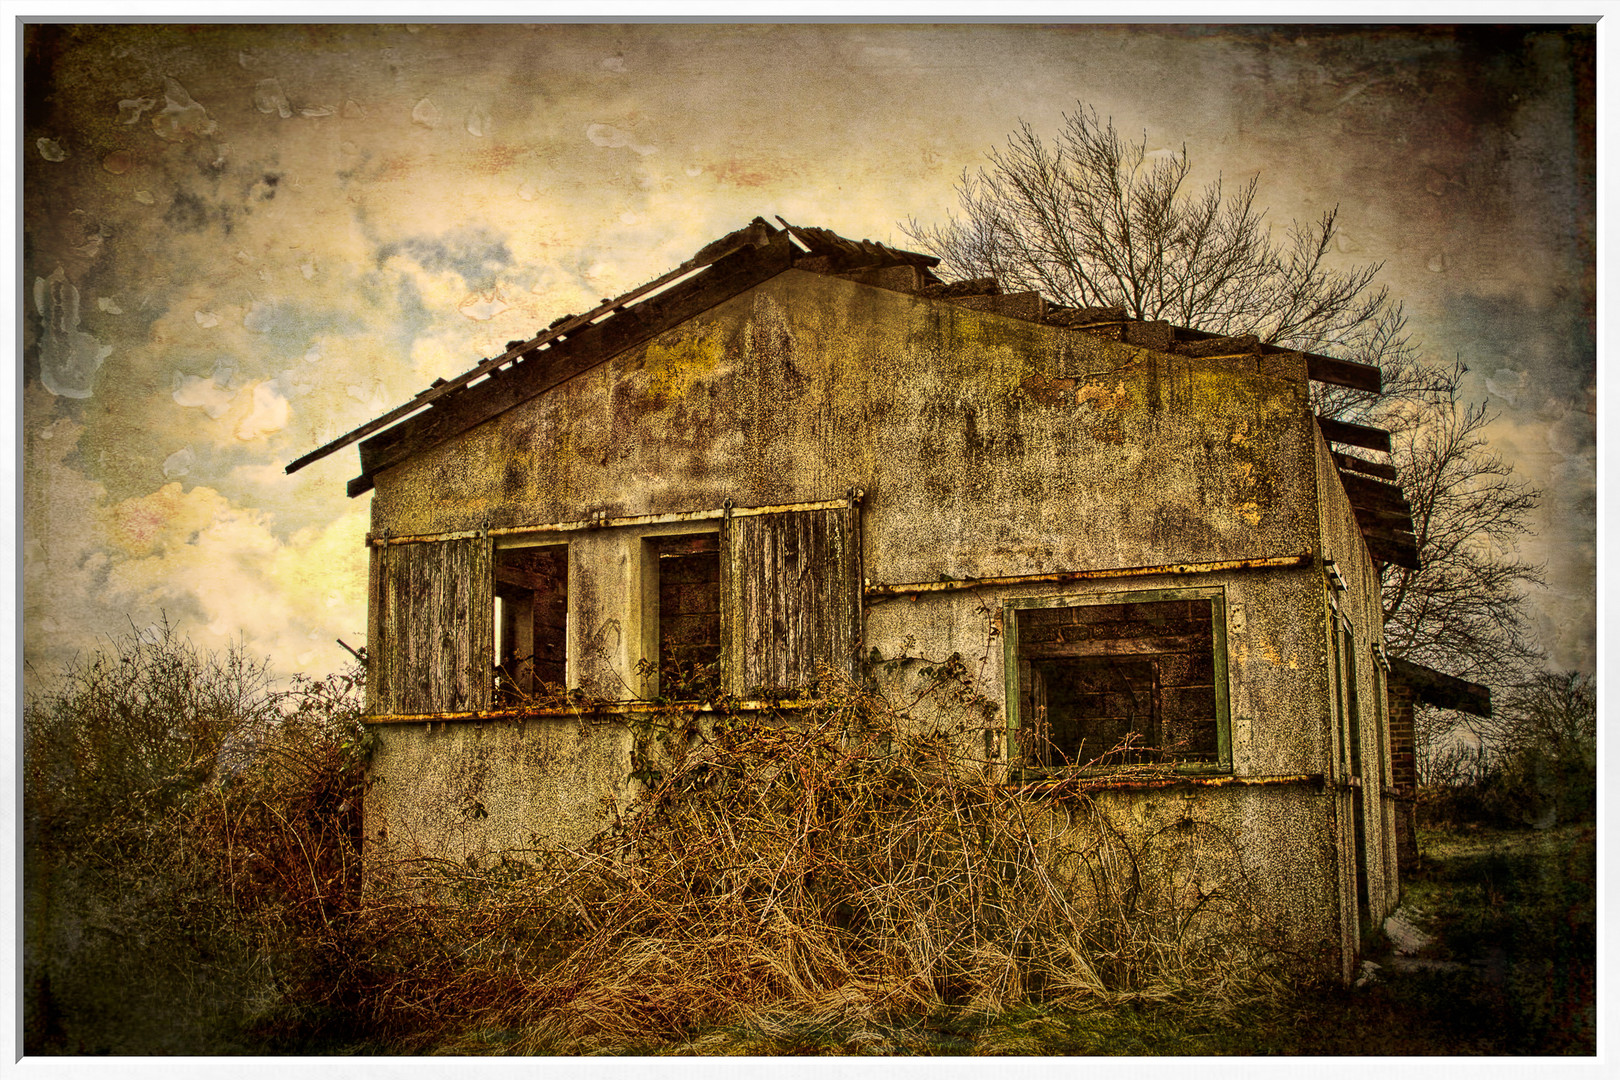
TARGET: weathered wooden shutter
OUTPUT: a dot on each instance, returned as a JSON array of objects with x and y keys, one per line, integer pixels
[
  {"x": 795, "y": 589},
  {"x": 432, "y": 616}
]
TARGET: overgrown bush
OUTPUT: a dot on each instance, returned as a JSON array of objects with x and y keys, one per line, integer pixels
[
  {"x": 193, "y": 881},
  {"x": 1535, "y": 762},
  {"x": 832, "y": 867},
  {"x": 190, "y": 832}
]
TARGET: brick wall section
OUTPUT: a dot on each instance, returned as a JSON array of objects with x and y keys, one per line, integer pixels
[
  {"x": 1403, "y": 757},
  {"x": 1403, "y": 769}
]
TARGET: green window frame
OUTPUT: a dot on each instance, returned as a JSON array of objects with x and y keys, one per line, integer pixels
[{"x": 1016, "y": 667}]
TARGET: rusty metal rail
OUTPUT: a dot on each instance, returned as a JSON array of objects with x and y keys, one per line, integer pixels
[
  {"x": 910, "y": 588},
  {"x": 583, "y": 524},
  {"x": 1082, "y": 785},
  {"x": 587, "y": 709}
]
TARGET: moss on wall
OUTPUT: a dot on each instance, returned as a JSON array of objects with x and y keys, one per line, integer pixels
[{"x": 986, "y": 446}]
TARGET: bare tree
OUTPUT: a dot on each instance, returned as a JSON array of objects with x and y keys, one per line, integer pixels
[
  {"x": 1554, "y": 713},
  {"x": 1093, "y": 220},
  {"x": 1463, "y": 612}
]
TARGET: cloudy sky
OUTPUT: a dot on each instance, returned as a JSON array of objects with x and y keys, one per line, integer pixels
[{"x": 241, "y": 241}]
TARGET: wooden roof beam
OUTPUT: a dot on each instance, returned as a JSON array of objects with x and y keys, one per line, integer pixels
[
  {"x": 1386, "y": 550},
  {"x": 1441, "y": 690},
  {"x": 1368, "y": 492},
  {"x": 1362, "y": 465},
  {"x": 1368, "y": 438}
]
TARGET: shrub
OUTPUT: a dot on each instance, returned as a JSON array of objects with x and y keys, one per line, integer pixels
[
  {"x": 833, "y": 867},
  {"x": 1536, "y": 763},
  {"x": 190, "y": 831},
  {"x": 194, "y": 881}
]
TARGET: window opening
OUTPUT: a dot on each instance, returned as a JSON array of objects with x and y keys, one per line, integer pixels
[
  {"x": 1120, "y": 683},
  {"x": 531, "y": 622},
  {"x": 688, "y": 570}
]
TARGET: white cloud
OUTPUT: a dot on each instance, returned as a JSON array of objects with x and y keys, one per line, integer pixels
[
  {"x": 209, "y": 395},
  {"x": 270, "y": 412},
  {"x": 180, "y": 462},
  {"x": 217, "y": 569}
]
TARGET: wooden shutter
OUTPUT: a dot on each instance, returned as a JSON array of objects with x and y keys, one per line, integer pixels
[
  {"x": 433, "y": 612},
  {"x": 794, "y": 587}
]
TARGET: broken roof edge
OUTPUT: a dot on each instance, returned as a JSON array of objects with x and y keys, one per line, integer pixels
[
  {"x": 834, "y": 255},
  {"x": 754, "y": 233},
  {"x": 1441, "y": 690}
]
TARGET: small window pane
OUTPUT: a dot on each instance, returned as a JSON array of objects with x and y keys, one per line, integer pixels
[
  {"x": 531, "y": 589},
  {"x": 688, "y": 615},
  {"x": 1116, "y": 684}
]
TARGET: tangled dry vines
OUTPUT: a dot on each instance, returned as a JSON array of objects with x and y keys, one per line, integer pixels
[{"x": 832, "y": 866}]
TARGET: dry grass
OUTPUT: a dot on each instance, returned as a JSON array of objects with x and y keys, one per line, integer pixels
[{"x": 833, "y": 870}]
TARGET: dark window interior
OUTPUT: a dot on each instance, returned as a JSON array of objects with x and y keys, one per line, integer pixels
[
  {"x": 688, "y": 615},
  {"x": 1116, "y": 684},
  {"x": 531, "y": 585}
]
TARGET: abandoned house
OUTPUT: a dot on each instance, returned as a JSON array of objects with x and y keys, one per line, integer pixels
[{"x": 796, "y": 451}]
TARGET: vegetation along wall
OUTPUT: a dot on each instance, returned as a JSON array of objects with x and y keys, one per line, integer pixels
[{"x": 922, "y": 446}]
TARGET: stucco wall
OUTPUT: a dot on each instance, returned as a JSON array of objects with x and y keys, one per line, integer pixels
[
  {"x": 458, "y": 789},
  {"x": 1269, "y": 847},
  {"x": 1277, "y": 686},
  {"x": 1361, "y": 602},
  {"x": 986, "y": 446}
]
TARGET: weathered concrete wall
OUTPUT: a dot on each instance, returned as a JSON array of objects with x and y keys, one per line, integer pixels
[
  {"x": 1277, "y": 685},
  {"x": 986, "y": 446},
  {"x": 458, "y": 789},
  {"x": 1267, "y": 847},
  {"x": 1361, "y": 602}
]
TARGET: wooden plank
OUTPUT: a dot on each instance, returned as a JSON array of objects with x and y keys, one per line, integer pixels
[
  {"x": 797, "y": 597},
  {"x": 754, "y": 233},
  {"x": 592, "y": 345},
  {"x": 525, "y": 579},
  {"x": 376, "y": 605},
  {"x": 843, "y": 254},
  {"x": 1328, "y": 369},
  {"x": 1391, "y": 548},
  {"x": 1368, "y": 438},
  {"x": 1142, "y": 646},
  {"x": 1362, "y": 465},
  {"x": 1402, "y": 533},
  {"x": 1368, "y": 492},
  {"x": 1380, "y": 518},
  {"x": 437, "y": 607}
]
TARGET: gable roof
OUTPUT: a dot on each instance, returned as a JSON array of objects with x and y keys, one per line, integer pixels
[{"x": 758, "y": 252}]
